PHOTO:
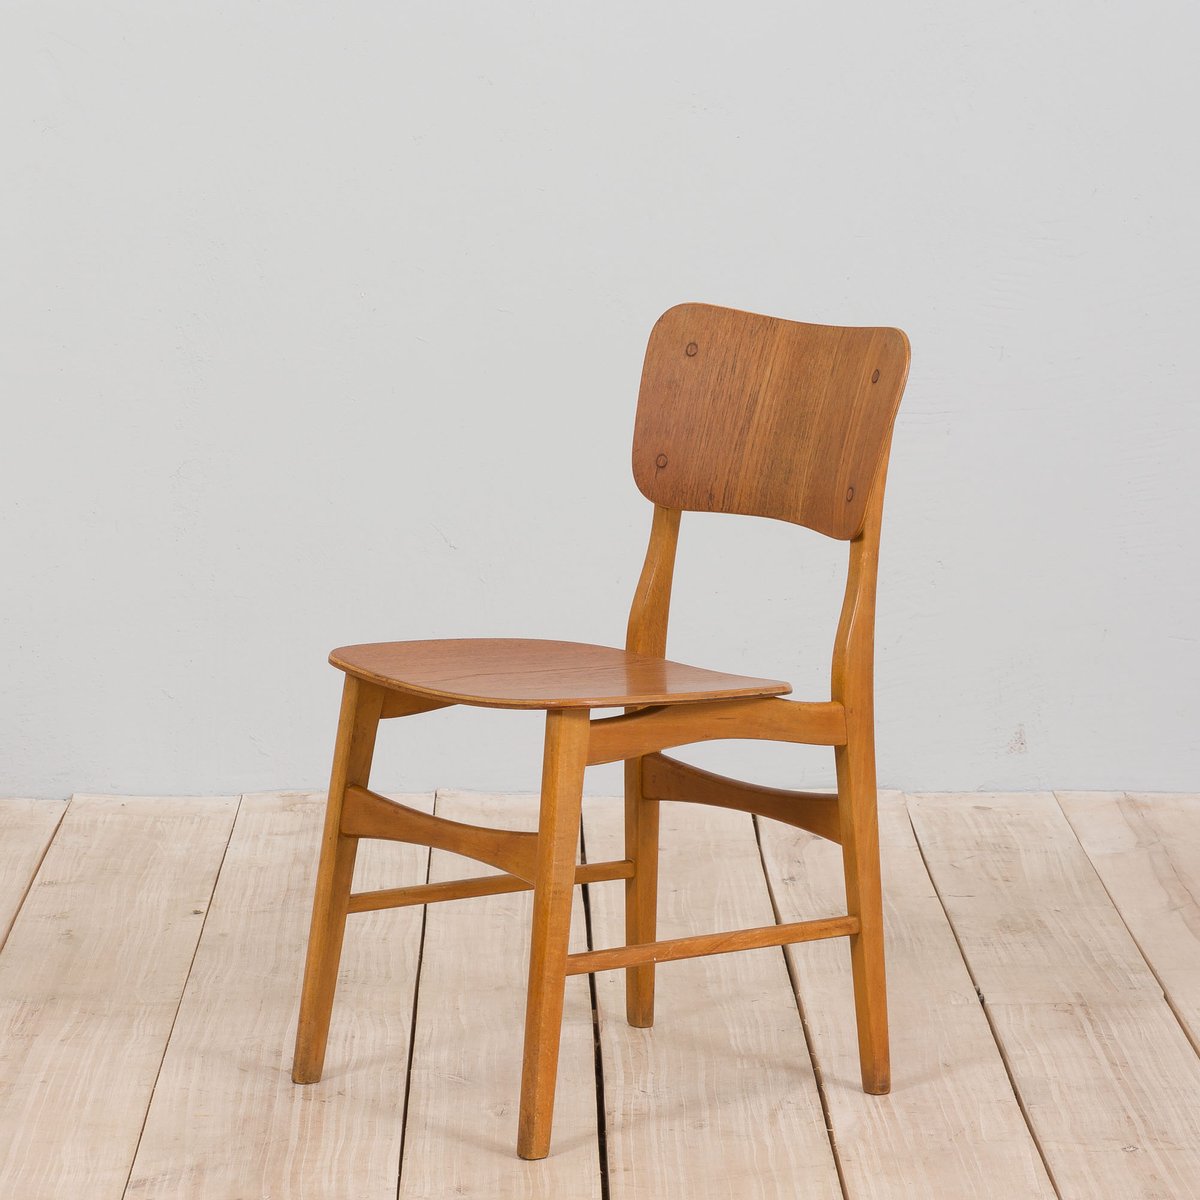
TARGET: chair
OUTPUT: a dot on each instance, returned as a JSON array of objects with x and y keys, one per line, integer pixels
[{"x": 737, "y": 413}]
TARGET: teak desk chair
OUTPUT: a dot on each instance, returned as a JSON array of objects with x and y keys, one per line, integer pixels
[{"x": 737, "y": 413}]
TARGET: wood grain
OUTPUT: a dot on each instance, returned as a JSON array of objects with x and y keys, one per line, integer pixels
[
  {"x": 737, "y": 413},
  {"x": 740, "y": 413},
  {"x": 699, "y": 944},
  {"x": 530, "y": 673},
  {"x": 354, "y": 747},
  {"x": 466, "y": 1069},
  {"x": 26, "y": 827},
  {"x": 227, "y": 1122},
  {"x": 1146, "y": 850},
  {"x": 951, "y": 1126},
  {"x": 559, "y": 819},
  {"x": 1107, "y": 1077},
  {"x": 1016, "y": 883},
  {"x": 367, "y": 814},
  {"x": 480, "y": 885},
  {"x": 852, "y": 685},
  {"x": 708, "y": 1104},
  {"x": 644, "y": 731},
  {"x": 646, "y": 633},
  {"x": 667, "y": 778},
  {"x": 90, "y": 982},
  {"x": 404, "y": 704},
  {"x": 719, "y": 1098}
]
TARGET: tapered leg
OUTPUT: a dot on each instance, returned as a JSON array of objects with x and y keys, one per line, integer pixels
[
  {"x": 361, "y": 705},
  {"x": 553, "y": 887},
  {"x": 641, "y": 893},
  {"x": 859, "y": 820}
]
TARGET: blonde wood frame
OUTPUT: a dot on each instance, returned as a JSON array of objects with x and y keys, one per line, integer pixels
[
  {"x": 646, "y": 730},
  {"x": 545, "y": 861},
  {"x": 710, "y": 943},
  {"x": 483, "y": 885}
]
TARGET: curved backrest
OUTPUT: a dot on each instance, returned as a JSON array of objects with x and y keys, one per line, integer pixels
[{"x": 740, "y": 413}]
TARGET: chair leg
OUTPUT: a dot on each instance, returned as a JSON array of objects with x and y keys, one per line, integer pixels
[
  {"x": 641, "y": 893},
  {"x": 859, "y": 821},
  {"x": 553, "y": 887},
  {"x": 361, "y": 706}
]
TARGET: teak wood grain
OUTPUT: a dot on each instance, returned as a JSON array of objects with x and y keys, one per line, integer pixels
[
  {"x": 737, "y": 413},
  {"x": 528, "y": 673},
  {"x": 740, "y": 413}
]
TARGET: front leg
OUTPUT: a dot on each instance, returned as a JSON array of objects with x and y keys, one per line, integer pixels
[
  {"x": 361, "y": 707},
  {"x": 553, "y": 888}
]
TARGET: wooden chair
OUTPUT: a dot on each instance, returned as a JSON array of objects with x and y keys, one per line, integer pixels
[{"x": 737, "y": 413}]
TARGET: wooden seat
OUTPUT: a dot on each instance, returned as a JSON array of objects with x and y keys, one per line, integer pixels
[
  {"x": 737, "y": 413},
  {"x": 529, "y": 673}
]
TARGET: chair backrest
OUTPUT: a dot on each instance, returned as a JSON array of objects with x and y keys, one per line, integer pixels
[{"x": 740, "y": 413}]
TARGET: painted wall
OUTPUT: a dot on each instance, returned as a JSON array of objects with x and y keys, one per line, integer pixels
[{"x": 322, "y": 323}]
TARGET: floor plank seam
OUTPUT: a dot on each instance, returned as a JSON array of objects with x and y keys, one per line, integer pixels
[
  {"x": 1193, "y": 1040},
  {"x": 183, "y": 991},
  {"x": 412, "y": 1030},
  {"x": 1106, "y": 1096},
  {"x": 808, "y": 1041},
  {"x": 1012, "y": 1083},
  {"x": 597, "y": 1050},
  {"x": 34, "y": 874}
]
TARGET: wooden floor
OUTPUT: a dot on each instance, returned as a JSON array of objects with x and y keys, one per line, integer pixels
[{"x": 1044, "y": 967}]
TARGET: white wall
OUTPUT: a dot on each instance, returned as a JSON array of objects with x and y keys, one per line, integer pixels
[{"x": 322, "y": 323}]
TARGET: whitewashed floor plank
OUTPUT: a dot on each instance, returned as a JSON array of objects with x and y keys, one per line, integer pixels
[
  {"x": 227, "y": 1122},
  {"x": 90, "y": 981},
  {"x": 1146, "y": 849},
  {"x": 719, "y": 1098},
  {"x": 26, "y": 828},
  {"x": 1109, "y": 1080},
  {"x": 951, "y": 1125},
  {"x": 461, "y": 1133}
]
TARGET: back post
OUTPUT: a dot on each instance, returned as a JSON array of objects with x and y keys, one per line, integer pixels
[
  {"x": 853, "y": 686},
  {"x": 646, "y": 634}
]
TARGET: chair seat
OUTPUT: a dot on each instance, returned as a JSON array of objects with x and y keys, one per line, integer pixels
[{"x": 529, "y": 673}]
